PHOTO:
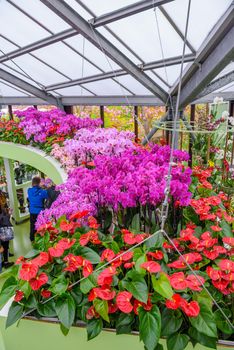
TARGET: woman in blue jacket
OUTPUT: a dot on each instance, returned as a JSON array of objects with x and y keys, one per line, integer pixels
[{"x": 36, "y": 198}]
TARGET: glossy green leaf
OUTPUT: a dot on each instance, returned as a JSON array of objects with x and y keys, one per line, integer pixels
[
  {"x": 177, "y": 341},
  {"x": 101, "y": 306},
  {"x": 138, "y": 288},
  {"x": 138, "y": 263},
  {"x": 89, "y": 254},
  {"x": 202, "y": 338},
  {"x": 162, "y": 286},
  {"x": 59, "y": 285},
  {"x": 87, "y": 284},
  {"x": 47, "y": 309},
  {"x": 124, "y": 323},
  {"x": 150, "y": 326},
  {"x": 205, "y": 322},
  {"x": 227, "y": 230},
  {"x": 8, "y": 290},
  {"x": 94, "y": 328},
  {"x": 221, "y": 322},
  {"x": 65, "y": 309},
  {"x": 14, "y": 314},
  {"x": 170, "y": 322}
]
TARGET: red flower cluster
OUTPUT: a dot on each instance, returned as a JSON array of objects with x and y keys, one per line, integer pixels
[
  {"x": 76, "y": 262},
  {"x": 191, "y": 309},
  {"x": 18, "y": 296},
  {"x": 131, "y": 238},
  {"x": 60, "y": 247},
  {"x": 222, "y": 278},
  {"x": 179, "y": 281},
  {"x": 90, "y": 237}
]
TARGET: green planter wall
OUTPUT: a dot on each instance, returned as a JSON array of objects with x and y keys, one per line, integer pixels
[
  {"x": 34, "y": 157},
  {"x": 38, "y": 335}
]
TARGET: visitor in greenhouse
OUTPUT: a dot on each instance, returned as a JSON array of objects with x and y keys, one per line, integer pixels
[
  {"x": 36, "y": 198},
  {"x": 52, "y": 193},
  {"x": 6, "y": 234}
]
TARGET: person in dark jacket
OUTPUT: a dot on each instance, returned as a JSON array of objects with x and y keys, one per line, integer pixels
[
  {"x": 52, "y": 194},
  {"x": 5, "y": 222},
  {"x": 36, "y": 198}
]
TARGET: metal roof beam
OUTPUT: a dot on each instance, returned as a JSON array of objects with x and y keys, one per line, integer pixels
[
  {"x": 10, "y": 78},
  {"x": 217, "y": 84},
  {"x": 120, "y": 72},
  {"x": 86, "y": 29},
  {"x": 224, "y": 24},
  {"x": 218, "y": 59},
  {"x": 176, "y": 28},
  {"x": 106, "y": 100},
  {"x": 127, "y": 11}
]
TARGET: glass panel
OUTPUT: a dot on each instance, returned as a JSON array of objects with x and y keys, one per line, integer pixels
[
  {"x": 42, "y": 14},
  {"x": 37, "y": 70},
  {"x": 172, "y": 73},
  {"x": 73, "y": 91},
  {"x": 203, "y": 16},
  {"x": 7, "y": 90},
  {"x": 11, "y": 68},
  {"x": 228, "y": 87},
  {"x": 92, "y": 53},
  {"x": 79, "y": 9},
  {"x": 157, "y": 80},
  {"x": 226, "y": 70},
  {"x": 103, "y": 6},
  {"x": 6, "y": 46},
  {"x": 145, "y": 41},
  {"x": 106, "y": 87},
  {"x": 65, "y": 60},
  {"x": 133, "y": 85},
  {"x": 18, "y": 27}
]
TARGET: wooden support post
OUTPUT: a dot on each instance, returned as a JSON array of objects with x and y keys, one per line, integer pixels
[
  {"x": 10, "y": 111},
  {"x": 102, "y": 116},
  {"x": 136, "y": 116},
  {"x": 192, "y": 119},
  {"x": 68, "y": 109}
]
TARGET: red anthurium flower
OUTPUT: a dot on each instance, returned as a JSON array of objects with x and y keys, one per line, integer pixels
[
  {"x": 28, "y": 271},
  {"x": 92, "y": 222},
  {"x": 56, "y": 251},
  {"x": 158, "y": 255},
  {"x": 45, "y": 293},
  {"x": 227, "y": 217},
  {"x": 178, "y": 281},
  {"x": 137, "y": 304},
  {"x": 19, "y": 260},
  {"x": 73, "y": 262},
  {"x": 178, "y": 264},
  {"x": 216, "y": 228},
  {"x": 18, "y": 296},
  {"x": 66, "y": 226},
  {"x": 229, "y": 241},
  {"x": 195, "y": 283},
  {"x": 106, "y": 276},
  {"x": 66, "y": 243},
  {"x": 91, "y": 236},
  {"x": 129, "y": 238},
  {"x": 140, "y": 237},
  {"x": 228, "y": 276},
  {"x": 123, "y": 302},
  {"x": 38, "y": 281},
  {"x": 220, "y": 284},
  {"x": 226, "y": 265},
  {"x": 129, "y": 265},
  {"x": 191, "y": 309},
  {"x": 91, "y": 313},
  {"x": 213, "y": 274},
  {"x": 104, "y": 293},
  {"x": 185, "y": 235},
  {"x": 107, "y": 255},
  {"x": 211, "y": 254},
  {"x": 151, "y": 266},
  {"x": 174, "y": 303},
  {"x": 112, "y": 308},
  {"x": 79, "y": 215},
  {"x": 87, "y": 268},
  {"x": 126, "y": 256},
  {"x": 41, "y": 260}
]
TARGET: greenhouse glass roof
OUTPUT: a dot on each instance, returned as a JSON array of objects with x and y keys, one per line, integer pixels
[{"x": 115, "y": 52}]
